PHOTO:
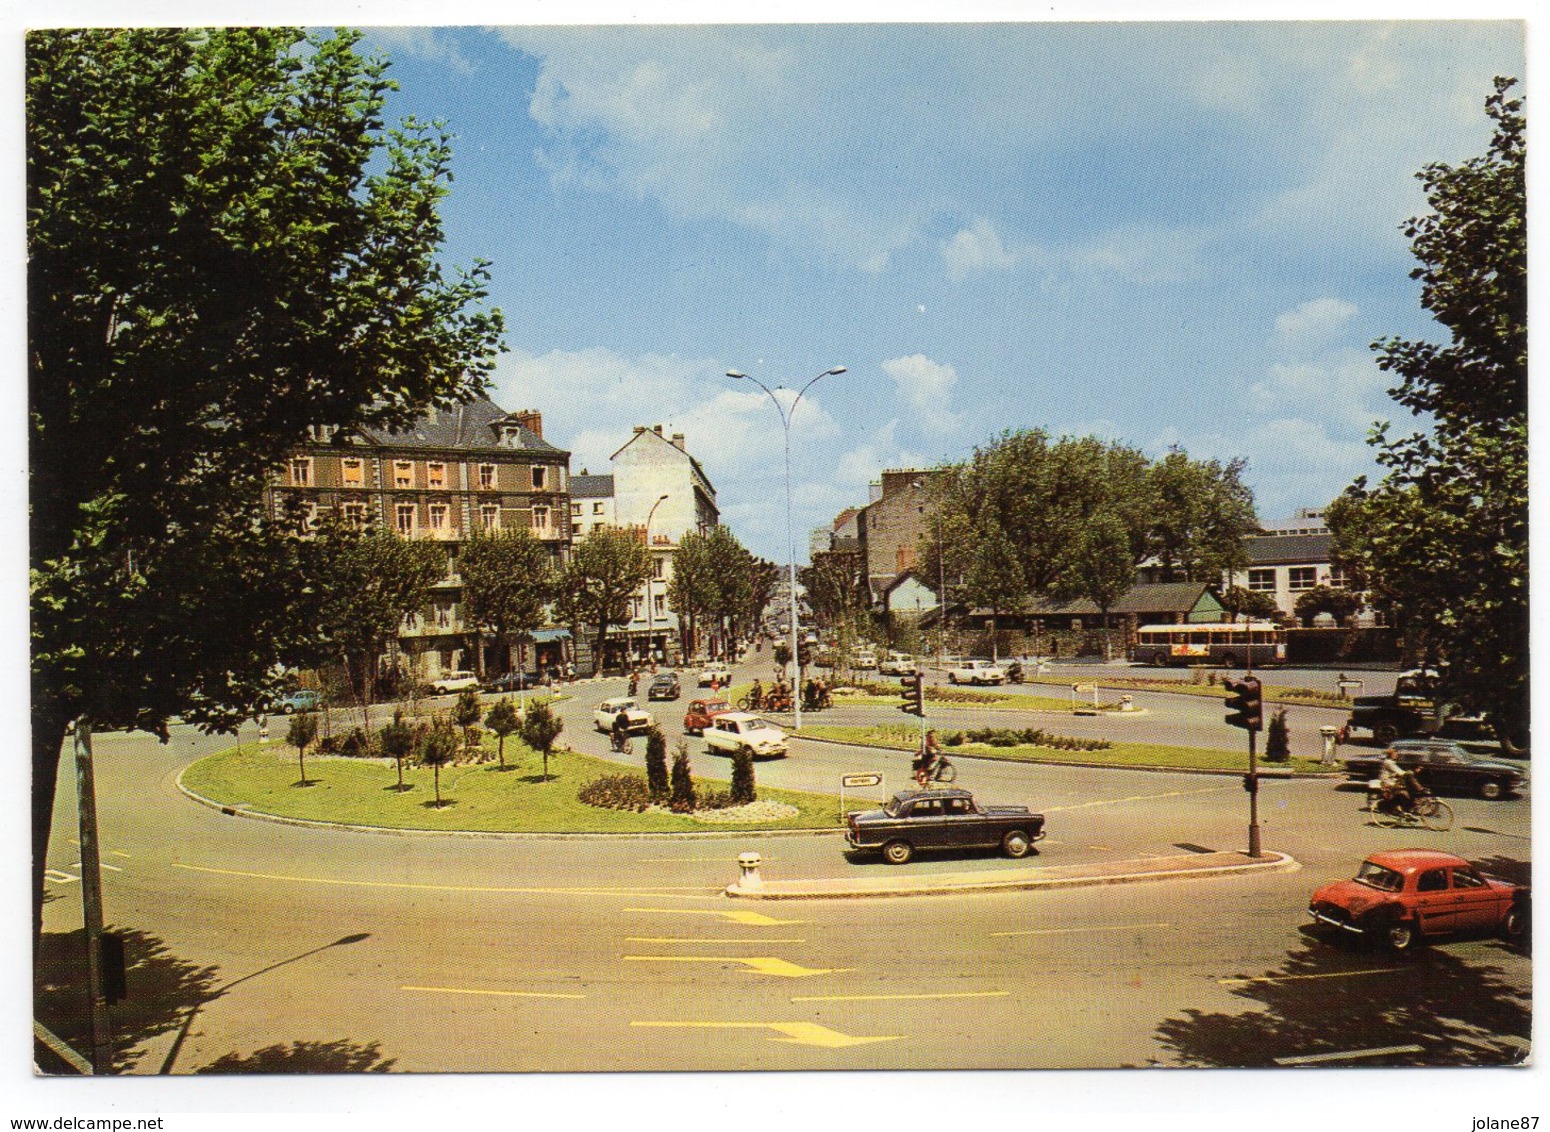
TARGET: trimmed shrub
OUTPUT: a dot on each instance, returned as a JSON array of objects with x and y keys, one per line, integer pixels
[
  {"x": 656, "y": 763},
  {"x": 1278, "y": 738},
  {"x": 682, "y": 784},
  {"x": 742, "y": 777}
]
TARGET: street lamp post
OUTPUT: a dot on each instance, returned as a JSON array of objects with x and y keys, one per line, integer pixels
[
  {"x": 650, "y": 617},
  {"x": 791, "y": 554}
]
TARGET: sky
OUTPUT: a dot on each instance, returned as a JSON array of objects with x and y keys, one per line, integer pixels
[{"x": 1157, "y": 233}]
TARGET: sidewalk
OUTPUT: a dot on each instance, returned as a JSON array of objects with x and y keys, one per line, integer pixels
[{"x": 1187, "y": 865}]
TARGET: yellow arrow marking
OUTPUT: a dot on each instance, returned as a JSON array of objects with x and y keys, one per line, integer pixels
[
  {"x": 502, "y": 993},
  {"x": 797, "y": 1033},
  {"x": 1080, "y": 931},
  {"x": 1325, "y": 975},
  {"x": 752, "y": 919},
  {"x": 897, "y": 997},
  {"x": 679, "y": 939},
  {"x": 763, "y": 964},
  {"x": 663, "y": 891}
]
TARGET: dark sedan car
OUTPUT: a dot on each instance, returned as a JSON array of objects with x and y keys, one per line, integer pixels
[
  {"x": 512, "y": 682},
  {"x": 663, "y": 687},
  {"x": 1443, "y": 767}
]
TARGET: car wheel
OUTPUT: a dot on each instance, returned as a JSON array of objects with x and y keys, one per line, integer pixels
[
  {"x": 1229, "y": 660},
  {"x": 286, "y": 709},
  {"x": 1016, "y": 844},
  {"x": 898, "y": 852},
  {"x": 1491, "y": 789},
  {"x": 1515, "y": 927},
  {"x": 1400, "y": 936},
  {"x": 951, "y": 679}
]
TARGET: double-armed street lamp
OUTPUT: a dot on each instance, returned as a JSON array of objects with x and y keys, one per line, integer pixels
[{"x": 786, "y": 412}]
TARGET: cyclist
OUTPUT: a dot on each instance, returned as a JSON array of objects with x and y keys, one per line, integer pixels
[
  {"x": 756, "y": 696},
  {"x": 1397, "y": 787},
  {"x": 621, "y": 731},
  {"x": 926, "y": 758}
]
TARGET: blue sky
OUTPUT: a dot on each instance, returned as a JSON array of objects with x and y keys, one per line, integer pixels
[{"x": 1157, "y": 233}]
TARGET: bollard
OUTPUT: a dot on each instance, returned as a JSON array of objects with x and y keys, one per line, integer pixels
[
  {"x": 1126, "y": 704},
  {"x": 749, "y": 863},
  {"x": 1328, "y": 732}
]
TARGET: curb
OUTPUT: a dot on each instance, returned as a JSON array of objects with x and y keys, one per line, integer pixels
[{"x": 1075, "y": 876}]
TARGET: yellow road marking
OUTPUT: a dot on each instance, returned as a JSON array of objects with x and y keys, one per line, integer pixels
[
  {"x": 679, "y": 939},
  {"x": 59, "y": 876},
  {"x": 737, "y": 916},
  {"x": 1079, "y": 931},
  {"x": 797, "y": 1033},
  {"x": 898, "y": 997},
  {"x": 1325, "y": 975},
  {"x": 501, "y": 993},
  {"x": 605, "y": 891},
  {"x": 763, "y": 964}
]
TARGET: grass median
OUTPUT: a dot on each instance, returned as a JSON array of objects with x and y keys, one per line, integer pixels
[
  {"x": 1117, "y": 754},
  {"x": 478, "y": 797}
]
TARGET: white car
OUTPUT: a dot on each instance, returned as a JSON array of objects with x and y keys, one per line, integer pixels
[
  {"x": 454, "y": 682},
  {"x": 716, "y": 671},
  {"x": 976, "y": 672},
  {"x": 608, "y": 711},
  {"x": 733, "y": 731},
  {"x": 896, "y": 664},
  {"x": 865, "y": 660}
]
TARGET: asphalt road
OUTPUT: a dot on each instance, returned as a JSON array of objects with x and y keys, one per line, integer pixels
[{"x": 255, "y": 943}]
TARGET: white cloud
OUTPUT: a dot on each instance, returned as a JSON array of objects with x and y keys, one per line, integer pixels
[
  {"x": 927, "y": 387},
  {"x": 1314, "y": 322},
  {"x": 975, "y": 249}
]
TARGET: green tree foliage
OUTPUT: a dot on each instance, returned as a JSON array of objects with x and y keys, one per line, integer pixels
[
  {"x": 1102, "y": 569},
  {"x": 656, "y": 763},
  {"x": 605, "y": 570},
  {"x": 1256, "y": 605},
  {"x": 683, "y": 798},
  {"x": 303, "y": 729},
  {"x": 1442, "y": 541},
  {"x": 1278, "y": 738},
  {"x": 502, "y": 720},
  {"x": 224, "y": 247},
  {"x": 743, "y": 789},
  {"x": 438, "y": 749},
  {"x": 1338, "y": 603},
  {"x": 508, "y": 576},
  {"x": 691, "y": 591},
  {"x": 466, "y": 712},
  {"x": 835, "y": 587},
  {"x": 540, "y": 728},
  {"x": 1200, "y": 511},
  {"x": 398, "y": 741}
]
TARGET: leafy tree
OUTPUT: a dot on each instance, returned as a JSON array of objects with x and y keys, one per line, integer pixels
[
  {"x": 1339, "y": 604},
  {"x": 761, "y": 587},
  {"x": 1102, "y": 569},
  {"x": 503, "y": 721},
  {"x": 691, "y": 591},
  {"x": 1278, "y": 740},
  {"x": 1200, "y": 513},
  {"x": 508, "y": 576},
  {"x": 836, "y": 587},
  {"x": 743, "y": 790},
  {"x": 303, "y": 729},
  {"x": 1443, "y": 539},
  {"x": 398, "y": 740},
  {"x": 605, "y": 570},
  {"x": 540, "y": 729},
  {"x": 683, "y": 783},
  {"x": 995, "y": 578},
  {"x": 656, "y": 762},
  {"x": 1256, "y": 605},
  {"x": 224, "y": 247},
  {"x": 438, "y": 749},
  {"x": 465, "y": 713}
]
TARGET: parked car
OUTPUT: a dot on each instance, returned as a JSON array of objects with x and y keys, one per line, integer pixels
[
  {"x": 607, "y": 711},
  {"x": 865, "y": 660},
  {"x": 453, "y": 682},
  {"x": 304, "y": 700},
  {"x": 733, "y": 731},
  {"x": 1444, "y": 767},
  {"x": 1402, "y": 897},
  {"x": 512, "y": 682},
  {"x": 664, "y": 686},
  {"x": 942, "y": 818},
  {"x": 716, "y": 672},
  {"x": 896, "y": 664},
  {"x": 976, "y": 672},
  {"x": 700, "y": 713}
]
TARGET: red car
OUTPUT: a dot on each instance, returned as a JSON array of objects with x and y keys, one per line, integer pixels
[
  {"x": 699, "y": 715},
  {"x": 1403, "y": 896}
]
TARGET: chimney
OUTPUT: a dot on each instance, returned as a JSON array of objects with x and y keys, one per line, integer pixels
[
  {"x": 640, "y": 428},
  {"x": 657, "y": 429},
  {"x": 678, "y": 441},
  {"x": 530, "y": 419}
]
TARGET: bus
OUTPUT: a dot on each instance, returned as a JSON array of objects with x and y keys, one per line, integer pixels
[{"x": 1227, "y": 644}]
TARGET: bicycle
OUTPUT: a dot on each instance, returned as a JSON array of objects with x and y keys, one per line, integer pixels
[
  {"x": 1425, "y": 811},
  {"x": 621, "y": 745},
  {"x": 941, "y": 771}
]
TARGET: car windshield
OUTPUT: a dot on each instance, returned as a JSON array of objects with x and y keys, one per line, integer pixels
[
  {"x": 1379, "y": 877},
  {"x": 756, "y": 725}
]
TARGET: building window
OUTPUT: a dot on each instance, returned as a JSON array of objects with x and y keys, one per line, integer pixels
[
  {"x": 659, "y": 601},
  {"x": 598, "y": 526},
  {"x": 539, "y": 477},
  {"x": 489, "y": 516},
  {"x": 1262, "y": 580},
  {"x": 1302, "y": 578},
  {"x": 309, "y": 516},
  {"x": 438, "y": 516},
  {"x": 436, "y": 475},
  {"x": 639, "y": 606},
  {"x": 411, "y": 621},
  {"x": 1337, "y": 578},
  {"x": 658, "y": 568},
  {"x": 575, "y": 509},
  {"x": 301, "y": 471},
  {"x": 486, "y": 477},
  {"x": 404, "y": 512},
  {"x": 541, "y": 519},
  {"x": 403, "y": 473},
  {"x": 597, "y": 508},
  {"x": 354, "y": 514},
  {"x": 352, "y": 472},
  {"x": 445, "y": 611}
]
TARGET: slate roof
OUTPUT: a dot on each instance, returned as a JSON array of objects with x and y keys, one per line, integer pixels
[
  {"x": 1149, "y": 597},
  {"x": 1285, "y": 550},
  {"x": 469, "y": 427},
  {"x": 591, "y": 487}
]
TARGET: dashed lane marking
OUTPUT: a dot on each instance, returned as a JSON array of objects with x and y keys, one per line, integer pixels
[
  {"x": 737, "y": 916},
  {"x": 1294, "y": 978},
  {"x": 499, "y": 993},
  {"x": 796, "y": 1033},
  {"x": 664, "y": 891},
  {"x": 762, "y": 964},
  {"x": 898, "y": 997},
  {"x": 1079, "y": 931},
  {"x": 59, "y": 876},
  {"x": 679, "y": 939}
]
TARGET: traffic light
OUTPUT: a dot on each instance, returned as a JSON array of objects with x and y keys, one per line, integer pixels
[
  {"x": 914, "y": 696},
  {"x": 1243, "y": 705}
]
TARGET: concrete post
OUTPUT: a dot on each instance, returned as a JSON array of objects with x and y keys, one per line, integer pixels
[
  {"x": 749, "y": 863},
  {"x": 1328, "y": 731}
]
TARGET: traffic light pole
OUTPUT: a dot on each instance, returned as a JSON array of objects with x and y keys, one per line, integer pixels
[{"x": 1253, "y": 801}]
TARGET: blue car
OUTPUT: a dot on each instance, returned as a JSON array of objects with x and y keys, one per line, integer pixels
[{"x": 304, "y": 700}]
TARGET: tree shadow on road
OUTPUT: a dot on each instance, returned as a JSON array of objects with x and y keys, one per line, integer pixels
[
  {"x": 1431, "y": 1009},
  {"x": 162, "y": 990},
  {"x": 305, "y": 1057}
]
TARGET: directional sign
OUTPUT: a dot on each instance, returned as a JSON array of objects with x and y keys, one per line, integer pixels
[{"x": 851, "y": 780}]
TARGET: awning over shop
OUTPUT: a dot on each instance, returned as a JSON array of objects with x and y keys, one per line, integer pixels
[{"x": 548, "y": 636}]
